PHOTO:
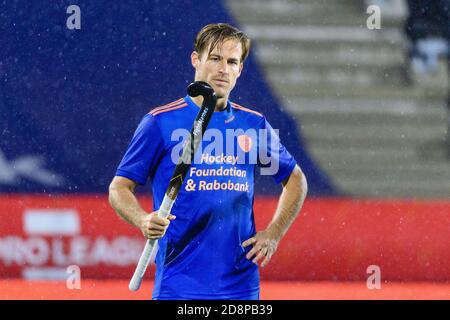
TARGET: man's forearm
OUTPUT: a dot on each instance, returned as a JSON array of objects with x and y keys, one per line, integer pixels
[
  {"x": 126, "y": 205},
  {"x": 289, "y": 204}
]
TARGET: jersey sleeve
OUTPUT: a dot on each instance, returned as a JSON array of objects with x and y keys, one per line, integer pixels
[
  {"x": 144, "y": 151},
  {"x": 273, "y": 158}
]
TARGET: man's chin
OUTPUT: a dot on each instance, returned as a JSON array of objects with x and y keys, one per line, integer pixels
[{"x": 219, "y": 93}]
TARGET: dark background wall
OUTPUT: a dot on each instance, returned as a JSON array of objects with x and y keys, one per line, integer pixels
[{"x": 71, "y": 99}]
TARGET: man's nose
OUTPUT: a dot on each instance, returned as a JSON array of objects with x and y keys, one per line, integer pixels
[{"x": 223, "y": 67}]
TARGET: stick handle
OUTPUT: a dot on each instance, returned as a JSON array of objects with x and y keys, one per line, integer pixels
[{"x": 150, "y": 245}]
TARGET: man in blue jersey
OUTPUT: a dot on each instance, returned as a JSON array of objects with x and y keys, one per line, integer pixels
[{"x": 211, "y": 250}]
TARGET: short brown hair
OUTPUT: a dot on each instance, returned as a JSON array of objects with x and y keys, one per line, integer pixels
[{"x": 216, "y": 33}]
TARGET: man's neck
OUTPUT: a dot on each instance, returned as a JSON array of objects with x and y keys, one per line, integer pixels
[{"x": 220, "y": 105}]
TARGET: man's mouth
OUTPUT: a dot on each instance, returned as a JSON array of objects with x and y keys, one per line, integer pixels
[{"x": 221, "y": 81}]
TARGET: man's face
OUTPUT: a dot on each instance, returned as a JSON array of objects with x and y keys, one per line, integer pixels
[{"x": 221, "y": 68}]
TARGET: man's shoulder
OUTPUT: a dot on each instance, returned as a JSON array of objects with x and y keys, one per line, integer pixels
[
  {"x": 168, "y": 109},
  {"x": 246, "y": 111},
  {"x": 248, "y": 115}
]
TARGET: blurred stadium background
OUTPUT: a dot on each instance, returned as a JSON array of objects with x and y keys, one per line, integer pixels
[{"x": 367, "y": 124}]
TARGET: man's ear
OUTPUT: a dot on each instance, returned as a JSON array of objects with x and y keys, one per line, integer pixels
[{"x": 195, "y": 59}]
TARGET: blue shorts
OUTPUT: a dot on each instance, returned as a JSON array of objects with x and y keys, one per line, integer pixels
[
  {"x": 251, "y": 297},
  {"x": 254, "y": 296}
]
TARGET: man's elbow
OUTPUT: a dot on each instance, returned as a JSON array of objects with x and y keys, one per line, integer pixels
[
  {"x": 112, "y": 190},
  {"x": 299, "y": 180},
  {"x": 115, "y": 187},
  {"x": 119, "y": 186},
  {"x": 304, "y": 183}
]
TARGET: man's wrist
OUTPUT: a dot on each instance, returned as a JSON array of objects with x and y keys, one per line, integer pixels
[
  {"x": 274, "y": 231},
  {"x": 139, "y": 218}
]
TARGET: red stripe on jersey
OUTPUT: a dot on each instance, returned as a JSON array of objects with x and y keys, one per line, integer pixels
[
  {"x": 169, "y": 109},
  {"x": 174, "y": 103},
  {"x": 235, "y": 105}
]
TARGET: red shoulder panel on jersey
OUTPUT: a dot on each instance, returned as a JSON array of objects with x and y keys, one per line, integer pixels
[
  {"x": 166, "y": 106},
  {"x": 169, "y": 109},
  {"x": 235, "y": 105}
]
